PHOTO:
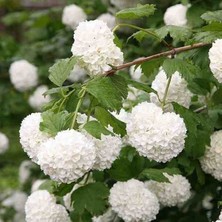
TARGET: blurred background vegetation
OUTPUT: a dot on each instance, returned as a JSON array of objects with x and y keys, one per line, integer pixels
[{"x": 33, "y": 30}]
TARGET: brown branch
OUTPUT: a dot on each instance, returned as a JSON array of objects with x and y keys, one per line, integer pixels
[{"x": 158, "y": 55}]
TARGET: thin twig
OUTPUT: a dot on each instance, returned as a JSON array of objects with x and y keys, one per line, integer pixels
[{"x": 155, "y": 56}]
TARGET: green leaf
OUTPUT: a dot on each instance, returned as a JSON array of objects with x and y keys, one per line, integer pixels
[
  {"x": 48, "y": 185},
  {"x": 215, "y": 16},
  {"x": 193, "y": 15},
  {"x": 91, "y": 197},
  {"x": 176, "y": 32},
  {"x": 109, "y": 91},
  {"x": 95, "y": 129},
  {"x": 199, "y": 129},
  {"x": 53, "y": 123},
  {"x": 191, "y": 73},
  {"x": 157, "y": 174},
  {"x": 138, "y": 12},
  {"x": 106, "y": 118},
  {"x": 141, "y": 86},
  {"x": 124, "y": 169},
  {"x": 83, "y": 217},
  {"x": 152, "y": 67},
  {"x": 62, "y": 189},
  {"x": 61, "y": 70}
]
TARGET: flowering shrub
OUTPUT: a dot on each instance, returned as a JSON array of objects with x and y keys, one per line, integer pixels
[{"x": 129, "y": 127}]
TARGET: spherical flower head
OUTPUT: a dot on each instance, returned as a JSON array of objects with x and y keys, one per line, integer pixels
[
  {"x": 72, "y": 15},
  {"x": 156, "y": 135},
  {"x": 96, "y": 49},
  {"x": 78, "y": 74},
  {"x": 25, "y": 171},
  {"x": 23, "y": 75},
  {"x": 41, "y": 206},
  {"x": 178, "y": 91},
  {"x": 30, "y": 135},
  {"x": 215, "y": 56},
  {"x": 176, "y": 15},
  {"x": 4, "y": 143},
  {"x": 133, "y": 202},
  {"x": 67, "y": 157},
  {"x": 107, "y": 151},
  {"x": 37, "y": 100},
  {"x": 16, "y": 200},
  {"x": 172, "y": 193},
  {"x": 136, "y": 73},
  {"x": 211, "y": 162},
  {"x": 109, "y": 19}
]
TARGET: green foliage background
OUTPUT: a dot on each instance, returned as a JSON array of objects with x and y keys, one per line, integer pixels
[{"x": 41, "y": 38}]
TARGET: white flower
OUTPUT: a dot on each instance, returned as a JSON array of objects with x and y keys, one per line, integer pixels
[
  {"x": 30, "y": 135},
  {"x": 67, "y": 157},
  {"x": 36, "y": 185},
  {"x": 121, "y": 4},
  {"x": 95, "y": 47},
  {"x": 108, "y": 216},
  {"x": 211, "y": 162},
  {"x": 23, "y": 75},
  {"x": 133, "y": 202},
  {"x": 4, "y": 143},
  {"x": 41, "y": 206},
  {"x": 206, "y": 202},
  {"x": 77, "y": 74},
  {"x": 37, "y": 100},
  {"x": 16, "y": 200},
  {"x": 215, "y": 56},
  {"x": 178, "y": 91},
  {"x": 136, "y": 74},
  {"x": 220, "y": 217},
  {"x": 156, "y": 135},
  {"x": 25, "y": 171},
  {"x": 109, "y": 19},
  {"x": 174, "y": 193},
  {"x": 176, "y": 15},
  {"x": 107, "y": 151},
  {"x": 73, "y": 15}
]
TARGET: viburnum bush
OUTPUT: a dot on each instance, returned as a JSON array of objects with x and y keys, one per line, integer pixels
[{"x": 128, "y": 140}]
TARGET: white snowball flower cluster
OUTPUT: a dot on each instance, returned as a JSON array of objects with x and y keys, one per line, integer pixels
[
  {"x": 67, "y": 157},
  {"x": 37, "y": 100},
  {"x": 220, "y": 217},
  {"x": 133, "y": 202},
  {"x": 41, "y": 206},
  {"x": 30, "y": 135},
  {"x": 215, "y": 56},
  {"x": 178, "y": 91},
  {"x": 23, "y": 75},
  {"x": 25, "y": 171},
  {"x": 107, "y": 151},
  {"x": 109, "y": 19},
  {"x": 136, "y": 74},
  {"x": 206, "y": 202},
  {"x": 4, "y": 143},
  {"x": 96, "y": 48},
  {"x": 176, "y": 15},
  {"x": 77, "y": 74},
  {"x": 174, "y": 193},
  {"x": 72, "y": 15},
  {"x": 156, "y": 135},
  {"x": 211, "y": 162},
  {"x": 16, "y": 200}
]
